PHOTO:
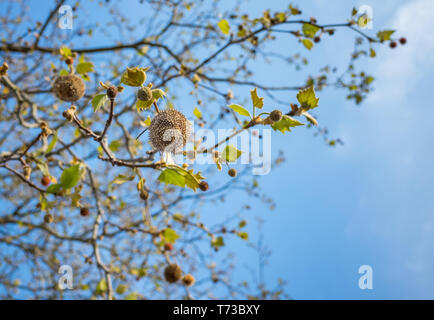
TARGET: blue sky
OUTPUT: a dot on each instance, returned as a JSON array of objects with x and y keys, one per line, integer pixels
[{"x": 369, "y": 201}]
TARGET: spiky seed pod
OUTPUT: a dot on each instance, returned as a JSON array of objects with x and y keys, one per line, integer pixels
[
  {"x": 48, "y": 218},
  {"x": 84, "y": 212},
  {"x": 203, "y": 185},
  {"x": 232, "y": 172},
  {"x": 172, "y": 273},
  {"x": 188, "y": 280},
  {"x": 45, "y": 181},
  {"x": 144, "y": 94},
  {"x": 169, "y": 131},
  {"x": 276, "y": 115},
  {"x": 69, "y": 88}
]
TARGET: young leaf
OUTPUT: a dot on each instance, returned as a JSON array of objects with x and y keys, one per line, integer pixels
[
  {"x": 54, "y": 188},
  {"x": 307, "y": 43},
  {"x": 197, "y": 113},
  {"x": 309, "y": 30},
  {"x": 218, "y": 242},
  {"x": 158, "y": 94},
  {"x": 172, "y": 176},
  {"x": 70, "y": 177},
  {"x": 121, "y": 178},
  {"x": 52, "y": 143},
  {"x": 98, "y": 101},
  {"x": 384, "y": 35},
  {"x": 224, "y": 26},
  {"x": 144, "y": 105},
  {"x": 230, "y": 153},
  {"x": 134, "y": 77},
  {"x": 84, "y": 67},
  {"x": 285, "y": 124},
  {"x": 257, "y": 102},
  {"x": 170, "y": 235},
  {"x": 240, "y": 110},
  {"x": 307, "y": 98}
]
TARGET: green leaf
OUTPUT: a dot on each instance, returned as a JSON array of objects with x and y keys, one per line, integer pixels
[
  {"x": 134, "y": 77},
  {"x": 230, "y": 153},
  {"x": 170, "y": 235},
  {"x": 54, "y": 188},
  {"x": 285, "y": 124},
  {"x": 307, "y": 43},
  {"x": 172, "y": 176},
  {"x": 309, "y": 30},
  {"x": 242, "y": 224},
  {"x": 147, "y": 122},
  {"x": 224, "y": 26},
  {"x": 144, "y": 105},
  {"x": 52, "y": 143},
  {"x": 132, "y": 296},
  {"x": 98, "y": 101},
  {"x": 307, "y": 98},
  {"x": 121, "y": 178},
  {"x": 384, "y": 35},
  {"x": 240, "y": 110},
  {"x": 243, "y": 235},
  {"x": 115, "y": 145},
  {"x": 158, "y": 94},
  {"x": 84, "y": 67},
  {"x": 70, "y": 177},
  {"x": 121, "y": 289},
  {"x": 372, "y": 53},
  {"x": 101, "y": 287},
  {"x": 65, "y": 51},
  {"x": 63, "y": 72},
  {"x": 197, "y": 113},
  {"x": 218, "y": 242},
  {"x": 257, "y": 102}
]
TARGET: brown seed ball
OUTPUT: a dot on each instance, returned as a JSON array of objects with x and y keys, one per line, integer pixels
[
  {"x": 112, "y": 92},
  {"x": 69, "y": 88},
  {"x": 188, "y": 280},
  {"x": 144, "y": 94},
  {"x": 45, "y": 181},
  {"x": 232, "y": 172},
  {"x": 203, "y": 185},
  {"x": 84, "y": 212},
  {"x": 317, "y": 39},
  {"x": 392, "y": 44},
  {"x": 168, "y": 246},
  {"x": 172, "y": 273},
  {"x": 169, "y": 131},
  {"x": 402, "y": 40},
  {"x": 69, "y": 61},
  {"x": 144, "y": 194},
  {"x": 276, "y": 115},
  {"x": 48, "y": 218}
]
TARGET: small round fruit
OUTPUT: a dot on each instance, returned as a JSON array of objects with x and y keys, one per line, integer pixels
[
  {"x": 402, "y": 40},
  {"x": 392, "y": 45},
  {"x": 144, "y": 194},
  {"x": 144, "y": 94},
  {"x": 188, "y": 280},
  {"x": 276, "y": 115},
  {"x": 69, "y": 88},
  {"x": 203, "y": 185},
  {"x": 317, "y": 39},
  {"x": 232, "y": 172},
  {"x": 48, "y": 218},
  {"x": 84, "y": 212},
  {"x": 112, "y": 92},
  {"x": 172, "y": 273},
  {"x": 45, "y": 181},
  {"x": 69, "y": 61},
  {"x": 168, "y": 246}
]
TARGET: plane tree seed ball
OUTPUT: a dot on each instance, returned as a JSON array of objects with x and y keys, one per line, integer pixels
[
  {"x": 169, "y": 131},
  {"x": 232, "y": 172},
  {"x": 69, "y": 88},
  {"x": 188, "y": 280},
  {"x": 276, "y": 115},
  {"x": 172, "y": 273},
  {"x": 144, "y": 94}
]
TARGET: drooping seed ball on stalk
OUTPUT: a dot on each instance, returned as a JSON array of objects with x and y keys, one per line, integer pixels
[
  {"x": 188, "y": 280},
  {"x": 69, "y": 88},
  {"x": 169, "y": 131},
  {"x": 172, "y": 273},
  {"x": 144, "y": 94}
]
